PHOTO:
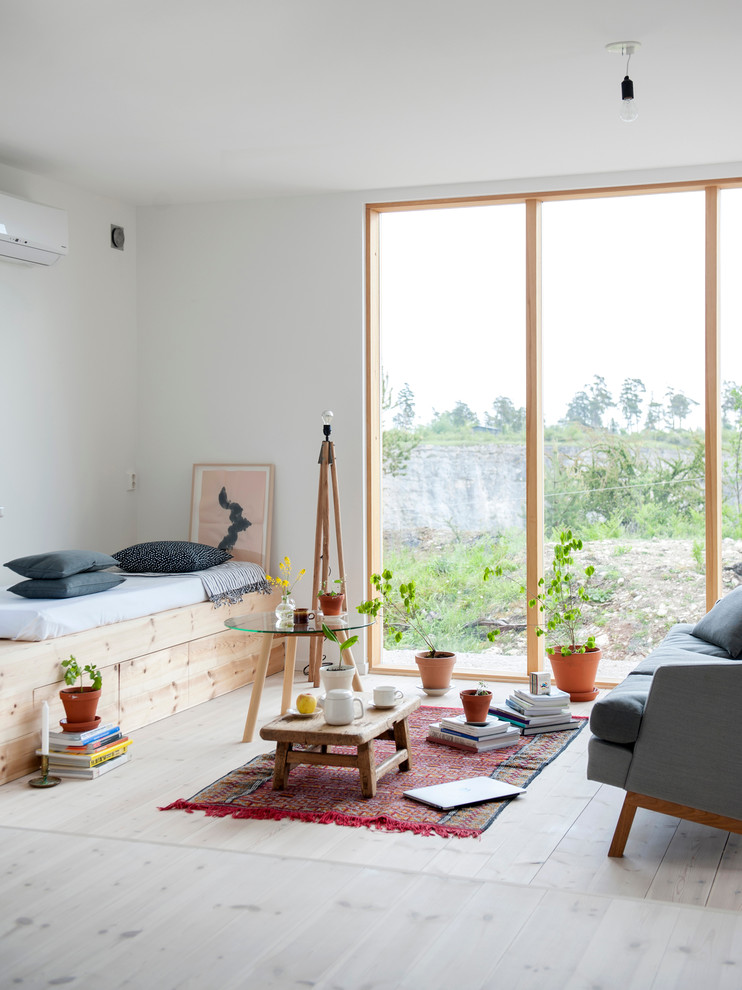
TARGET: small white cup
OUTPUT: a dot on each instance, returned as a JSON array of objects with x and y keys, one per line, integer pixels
[{"x": 386, "y": 696}]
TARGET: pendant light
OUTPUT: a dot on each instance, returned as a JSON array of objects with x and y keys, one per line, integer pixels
[{"x": 628, "y": 111}]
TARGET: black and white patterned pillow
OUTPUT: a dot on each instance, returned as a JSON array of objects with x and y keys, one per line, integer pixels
[{"x": 169, "y": 557}]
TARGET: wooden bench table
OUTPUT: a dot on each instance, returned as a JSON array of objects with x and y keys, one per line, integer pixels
[{"x": 388, "y": 723}]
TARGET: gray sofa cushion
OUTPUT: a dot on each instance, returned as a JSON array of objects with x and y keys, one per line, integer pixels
[
  {"x": 682, "y": 637},
  {"x": 72, "y": 586},
  {"x": 617, "y": 717},
  {"x": 722, "y": 626},
  {"x": 60, "y": 563}
]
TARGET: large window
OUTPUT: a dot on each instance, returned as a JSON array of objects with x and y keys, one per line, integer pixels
[
  {"x": 623, "y": 318},
  {"x": 545, "y": 364},
  {"x": 453, "y": 424}
]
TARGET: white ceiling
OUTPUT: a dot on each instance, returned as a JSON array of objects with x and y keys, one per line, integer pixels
[{"x": 165, "y": 101}]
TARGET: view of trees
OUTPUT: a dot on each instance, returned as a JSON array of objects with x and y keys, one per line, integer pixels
[
  {"x": 623, "y": 464},
  {"x": 589, "y": 407}
]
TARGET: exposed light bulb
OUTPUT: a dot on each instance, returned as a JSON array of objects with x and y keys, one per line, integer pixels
[
  {"x": 327, "y": 417},
  {"x": 628, "y": 111}
]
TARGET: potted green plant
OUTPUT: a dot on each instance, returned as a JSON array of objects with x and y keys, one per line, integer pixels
[
  {"x": 339, "y": 675},
  {"x": 80, "y": 701},
  {"x": 560, "y": 597},
  {"x": 332, "y": 599},
  {"x": 402, "y": 611},
  {"x": 476, "y": 703}
]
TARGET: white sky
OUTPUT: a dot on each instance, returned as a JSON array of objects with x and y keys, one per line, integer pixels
[{"x": 623, "y": 297}]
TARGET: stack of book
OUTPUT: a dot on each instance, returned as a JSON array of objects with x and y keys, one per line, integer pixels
[
  {"x": 533, "y": 713},
  {"x": 87, "y": 754},
  {"x": 457, "y": 732}
]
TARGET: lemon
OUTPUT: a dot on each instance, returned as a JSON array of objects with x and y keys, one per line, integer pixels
[{"x": 306, "y": 704}]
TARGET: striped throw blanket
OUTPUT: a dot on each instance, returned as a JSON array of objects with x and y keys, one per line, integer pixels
[{"x": 228, "y": 582}]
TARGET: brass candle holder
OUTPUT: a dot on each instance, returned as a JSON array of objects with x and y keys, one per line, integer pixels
[{"x": 45, "y": 780}]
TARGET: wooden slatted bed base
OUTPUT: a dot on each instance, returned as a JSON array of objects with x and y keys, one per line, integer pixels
[{"x": 152, "y": 667}]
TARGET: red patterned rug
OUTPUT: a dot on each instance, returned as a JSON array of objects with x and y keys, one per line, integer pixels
[{"x": 331, "y": 795}]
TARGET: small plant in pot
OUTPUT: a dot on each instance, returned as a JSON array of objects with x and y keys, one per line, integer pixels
[
  {"x": 80, "y": 701},
  {"x": 561, "y": 597},
  {"x": 402, "y": 611},
  {"x": 332, "y": 599},
  {"x": 476, "y": 703},
  {"x": 339, "y": 675}
]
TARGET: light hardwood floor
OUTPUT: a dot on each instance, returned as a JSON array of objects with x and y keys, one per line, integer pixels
[{"x": 100, "y": 889}]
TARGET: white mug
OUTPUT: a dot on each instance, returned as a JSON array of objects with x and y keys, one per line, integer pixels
[
  {"x": 338, "y": 707},
  {"x": 386, "y": 695}
]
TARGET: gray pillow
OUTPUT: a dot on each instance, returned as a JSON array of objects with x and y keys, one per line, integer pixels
[
  {"x": 722, "y": 626},
  {"x": 60, "y": 563},
  {"x": 72, "y": 586},
  {"x": 170, "y": 557}
]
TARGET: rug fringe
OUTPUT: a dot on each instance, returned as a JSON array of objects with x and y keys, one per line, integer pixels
[{"x": 381, "y": 822}]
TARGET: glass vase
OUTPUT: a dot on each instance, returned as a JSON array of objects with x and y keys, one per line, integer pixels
[{"x": 285, "y": 611}]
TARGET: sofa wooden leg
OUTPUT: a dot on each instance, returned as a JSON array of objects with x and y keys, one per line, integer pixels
[{"x": 623, "y": 826}]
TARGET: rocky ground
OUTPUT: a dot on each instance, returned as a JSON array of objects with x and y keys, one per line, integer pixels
[{"x": 646, "y": 587}]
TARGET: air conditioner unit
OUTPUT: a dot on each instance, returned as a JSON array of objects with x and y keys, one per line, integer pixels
[{"x": 31, "y": 232}]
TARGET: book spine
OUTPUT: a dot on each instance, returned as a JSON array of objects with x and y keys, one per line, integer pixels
[
  {"x": 83, "y": 738},
  {"x": 532, "y": 711},
  {"x": 443, "y": 736},
  {"x": 93, "y": 747},
  {"x": 455, "y": 743},
  {"x": 534, "y": 729},
  {"x": 108, "y": 754},
  {"x": 468, "y": 735},
  {"x": 86, "y": 760},
  {"x": 521, "y": 719},
  {"x": 89, "y": 773}
]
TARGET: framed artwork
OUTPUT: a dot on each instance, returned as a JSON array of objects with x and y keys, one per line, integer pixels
[{"x": 232, "y": 508}]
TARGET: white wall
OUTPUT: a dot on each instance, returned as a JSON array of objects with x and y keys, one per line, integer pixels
[
  {"x": 251, "y": 324},
  {"x": 68, "y": 389}
]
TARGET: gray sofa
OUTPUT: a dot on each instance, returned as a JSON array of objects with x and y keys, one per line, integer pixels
[{"x": 670, "y": 734}]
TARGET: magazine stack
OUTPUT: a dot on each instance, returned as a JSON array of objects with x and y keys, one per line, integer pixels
[
  {"x": 87, "y": 754},
  {"x": 533, "y": 713},
  {"x": 457, "y": 732}
]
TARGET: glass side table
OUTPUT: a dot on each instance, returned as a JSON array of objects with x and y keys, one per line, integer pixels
[{"x": 266, "y": 624}]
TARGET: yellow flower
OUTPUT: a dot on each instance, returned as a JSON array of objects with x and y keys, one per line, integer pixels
[{"x": 285, "y": 582}]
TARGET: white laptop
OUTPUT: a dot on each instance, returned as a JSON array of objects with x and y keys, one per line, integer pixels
[{"x": 457, "y": 793}]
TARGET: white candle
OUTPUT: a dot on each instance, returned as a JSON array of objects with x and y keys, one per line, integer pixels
[{"x": 45, "y": 729}]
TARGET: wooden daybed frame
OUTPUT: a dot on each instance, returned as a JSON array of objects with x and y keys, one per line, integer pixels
[{"x": 152, "y": 667}]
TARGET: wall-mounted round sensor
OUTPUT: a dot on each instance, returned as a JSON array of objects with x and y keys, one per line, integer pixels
[{"x": 117, "y": 237}]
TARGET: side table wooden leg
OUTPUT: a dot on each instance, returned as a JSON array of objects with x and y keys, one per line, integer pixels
[
  {"x": 402, "y": 741},
  {"x": 367, "y": 768},
  {"x": 257, "y": 687},
  {"x": 289, "y": 664},
  {"x": 315, "y": 659},
  {"x": 282, "y": 767}
]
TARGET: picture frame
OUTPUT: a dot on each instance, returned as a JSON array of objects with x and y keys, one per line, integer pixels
[{"x": 232, "y": 508}]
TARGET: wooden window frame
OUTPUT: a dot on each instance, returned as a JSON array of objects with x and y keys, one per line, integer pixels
[{"x": 534, "y": 385}]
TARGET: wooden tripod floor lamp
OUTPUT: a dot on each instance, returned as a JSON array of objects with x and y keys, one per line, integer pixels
[{"x": 328, "y": 478}]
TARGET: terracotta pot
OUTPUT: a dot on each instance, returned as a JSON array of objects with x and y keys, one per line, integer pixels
[
  {"x": 80, "y": 704},
  {"x": 331, "y": 604},
  {"x": 575, "y": 673},
  {"x": 476, "y": 706},
  {"x": 435, "y": 672}
]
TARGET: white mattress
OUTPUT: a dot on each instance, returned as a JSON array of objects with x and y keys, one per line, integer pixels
[{"x": 46, "y": 618}]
